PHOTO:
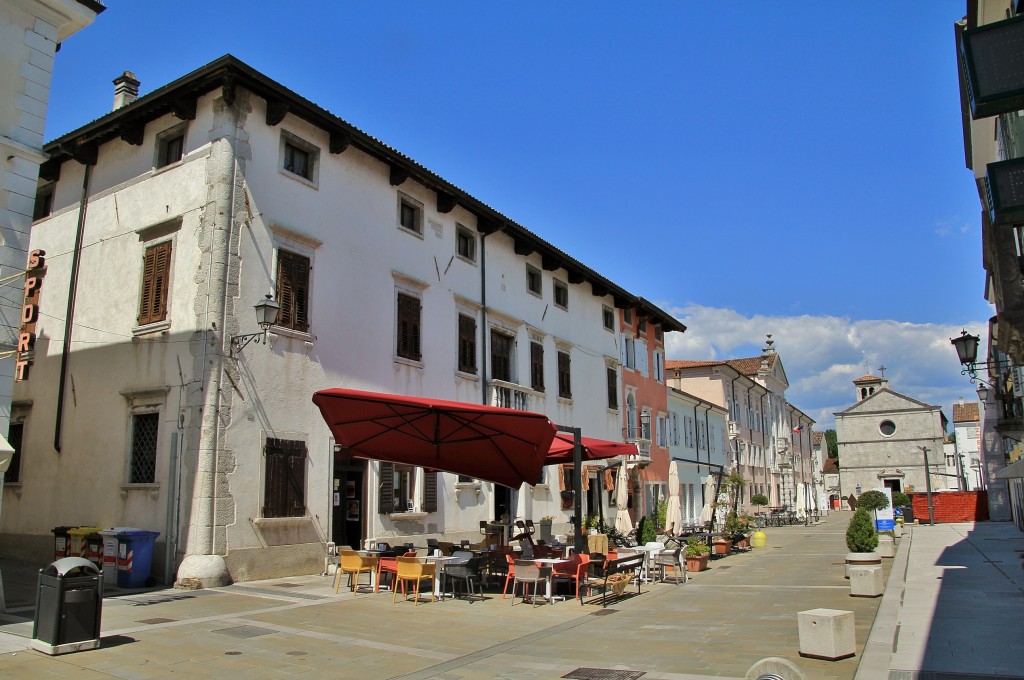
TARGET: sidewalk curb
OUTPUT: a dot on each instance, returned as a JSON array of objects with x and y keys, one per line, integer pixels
[{"x": 881, "y": 642}]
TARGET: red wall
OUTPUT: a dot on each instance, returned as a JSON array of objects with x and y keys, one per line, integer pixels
[{"x": 951, "y": 506}]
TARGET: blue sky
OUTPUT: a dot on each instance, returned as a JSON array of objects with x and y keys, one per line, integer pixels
[{"x": 793, "y": 168}]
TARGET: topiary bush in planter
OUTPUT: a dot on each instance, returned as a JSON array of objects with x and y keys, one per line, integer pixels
[
  {"x": 645, "y": 532},
  {"x": 860, "y": 534},
  {"x": 873, "y": 500},
  {"x": 900, "y": 499},
  {"x": 759, "y": 499}
]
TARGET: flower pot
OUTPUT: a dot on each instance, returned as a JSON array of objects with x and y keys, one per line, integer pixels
[
  {"x": 697, "y": 563},
  {"x": 857, "y": 559},
  {"x": 722, "y": 546},
  {"x": 545, "y": 531}
]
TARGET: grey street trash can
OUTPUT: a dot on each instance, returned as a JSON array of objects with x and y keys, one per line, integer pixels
[{"x": 69, "y": 601}]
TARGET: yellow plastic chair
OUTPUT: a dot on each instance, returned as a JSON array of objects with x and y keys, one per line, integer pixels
[
  {"x": 354, "y": 564},
  {"x": 410, "y": 569}
]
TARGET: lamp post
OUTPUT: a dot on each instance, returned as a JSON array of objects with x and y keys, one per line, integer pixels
[
  {"x": 266, "y": 316},
  {"x": 928, "y": 485}
]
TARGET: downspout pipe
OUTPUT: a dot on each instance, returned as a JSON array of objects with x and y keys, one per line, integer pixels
[
  {"x": 69, "y": 316},
  {"x": 484, "y": 335}
]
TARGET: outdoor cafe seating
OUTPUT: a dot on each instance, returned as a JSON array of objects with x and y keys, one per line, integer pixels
[
  {"x": 530, "y": 573},
  {"x": 411, "y": 571},
  {"x": 354, "y": 564}
]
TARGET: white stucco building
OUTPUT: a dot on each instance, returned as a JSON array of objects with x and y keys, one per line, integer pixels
[
  {"x": 697, "y": 433},
  {"x": 200, "y": 200},
  {"x": 30, "y": 31},
  {"x": 967, "y": 440}
]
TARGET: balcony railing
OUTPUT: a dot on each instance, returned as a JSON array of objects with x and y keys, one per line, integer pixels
[
  {"x": 643, "y": 449},
  {"x": 993, "y": 71},
  {"x": 734, "y": 429},
  {"x": 509, "y": 395}
]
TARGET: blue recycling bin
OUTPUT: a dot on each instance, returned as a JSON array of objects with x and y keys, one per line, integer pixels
[{"x": 135, "y": 557}]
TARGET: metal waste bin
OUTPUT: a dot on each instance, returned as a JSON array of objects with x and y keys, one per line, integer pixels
[
  {"x": 908, "y": 514},
  {"x": 69, "y": 601}
]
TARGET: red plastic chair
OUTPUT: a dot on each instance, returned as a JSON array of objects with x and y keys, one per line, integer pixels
[
  {"x": 574, "y": 569},
  {"x": 510, "y": 577}
]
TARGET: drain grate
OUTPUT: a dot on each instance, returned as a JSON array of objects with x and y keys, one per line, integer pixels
[
  {"x": 286, "y": 585},
  {"x": 602, "y": 674},
  {"x": 605, "y": 612},
  {"x": 245, "y": 631},
  {"x": 156, "y": 621}
]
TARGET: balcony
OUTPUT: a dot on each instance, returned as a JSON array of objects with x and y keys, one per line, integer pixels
[
  {"x": 993, "y": 72},
  {"x": 643, "y": 450},
  {"x": 509, "y": 395},
  {"x": 1004, "y": 191},
  {"x": 734, "y": 429}
]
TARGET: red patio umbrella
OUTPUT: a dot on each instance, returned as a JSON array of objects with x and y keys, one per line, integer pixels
[
  {"x": 499, "y": 445},
  {"x": 592, "y": 449}
]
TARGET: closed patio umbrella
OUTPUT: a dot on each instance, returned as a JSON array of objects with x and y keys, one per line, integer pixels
[
  {"x": 623, "y": 524},
  {"x": 709, "y": 499},
  {"x": 673, "y": 513}
]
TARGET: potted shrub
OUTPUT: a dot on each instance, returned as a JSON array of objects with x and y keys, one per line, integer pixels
[
  {"x": 697, "y": 554},
  {"x": 737, "y": 527},
  {"x": 861, "y": 540}
]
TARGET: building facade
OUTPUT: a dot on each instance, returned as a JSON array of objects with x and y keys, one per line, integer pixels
[
  {"x": 698, "y": 446},
  {"x": 30, "y": 32},
  {"x": 885, "y": 438},
  {"x": 967, "y": 437},
  {"x": 150, "y": 382}
]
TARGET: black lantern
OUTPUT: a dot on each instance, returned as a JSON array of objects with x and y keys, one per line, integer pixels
[{"x": 266, "y": 316}]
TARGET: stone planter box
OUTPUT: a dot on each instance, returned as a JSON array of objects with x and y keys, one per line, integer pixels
[{"x": 855, "y": 559}]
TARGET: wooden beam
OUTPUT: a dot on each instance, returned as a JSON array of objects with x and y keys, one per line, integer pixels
[
  {"x": 50, "y": 170},
  {"x": 340, "y": 140},
  {"x": 132, "y": 131},
  {"x": 446, "y": 202},
  {"x": 87, "y": 153},
  {"x": 398, "y": 175},
  {"x": 485, "y": 225},
  {"x": 227, "y": 90},
  {"x": 523, "y": 248},
  {"x": 576, "y": 276},
  {"x": 184, "y": 108},
  {"x": 276, "y": 111},
  {"x": 550, "y": 263},
  {"x": 598, "y": 290}
]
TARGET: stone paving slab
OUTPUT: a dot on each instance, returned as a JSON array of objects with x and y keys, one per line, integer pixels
[{"x": 741, "y": 610}]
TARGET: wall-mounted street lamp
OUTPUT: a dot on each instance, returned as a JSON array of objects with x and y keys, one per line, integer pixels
[
  {"x": 967, "y": 351},
  {"x": 266, "y": 316}
]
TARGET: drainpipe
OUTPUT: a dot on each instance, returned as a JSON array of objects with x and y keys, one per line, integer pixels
[
  {"x": 69, "y": 316},
  {"x": 484, "y": 383}
]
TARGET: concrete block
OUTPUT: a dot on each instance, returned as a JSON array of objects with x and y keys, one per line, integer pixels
[
  {"x": 897, "y": 530},
  {"x": 886, "y": 546},
  {"x": 826, "y": 634},
  {"x": 866, "y": 582}
]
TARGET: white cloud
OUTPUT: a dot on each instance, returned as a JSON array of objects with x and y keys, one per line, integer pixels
[{"x": 822, "y": 355}]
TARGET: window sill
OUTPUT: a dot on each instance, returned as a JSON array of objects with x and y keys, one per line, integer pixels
[
  {"x": 565, "y": 400},
  {"x": 290, "y": 334},
  {"x": 157, "y": 327},
  {"x": 153, "y": 489},
  {"x": 413, "y": 363},
  {"x": 467, "y": 376},
  {"x": 412, "y": 232},
  {"x": 299, "y": 178},
  {"x": 407, "y": 516},
  {"x": 468, "y": 486}
]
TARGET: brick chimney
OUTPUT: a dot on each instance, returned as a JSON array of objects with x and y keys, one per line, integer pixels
[{"x": 126, "y": 89}]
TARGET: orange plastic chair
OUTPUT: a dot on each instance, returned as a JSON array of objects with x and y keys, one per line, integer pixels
[
  {"x": 575, "y": 568},
  {"x": 411, "y": 570},
  {"x": 354, "y": 564},
  {"x": 510, "y": 577}
]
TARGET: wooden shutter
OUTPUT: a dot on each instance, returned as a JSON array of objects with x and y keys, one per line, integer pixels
[
  {"x": 408, "y": 327},
  {"x": 501, "y": 356},
  {"x": 429, "y": 490},
  {"x": 561, "y": 476},
  {"x": 613, "y": 388},
  {"x": 537, "y": 366},
  {"x": 293, "y": 290},
  {"x": 609, "y": 480},
  {"x": 386, "y": 504},
  {"x": 467, "y": 344},
  {"x": 285, "y": 486},
  {"x": 156, "y": 267},
  {"x": 564, "y": 384}
]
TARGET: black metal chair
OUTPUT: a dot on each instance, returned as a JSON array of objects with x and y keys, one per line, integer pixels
[{"x": 469, "y": 572}]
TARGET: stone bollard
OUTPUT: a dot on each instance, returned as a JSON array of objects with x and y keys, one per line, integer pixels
[
  {"x": 826, "y": 634},
  {"x": 886, "y": 546},
  {"x": 897, "y": 529},
  {"x": 866, "y": 581},
  {"x": 774, "y": 667}
]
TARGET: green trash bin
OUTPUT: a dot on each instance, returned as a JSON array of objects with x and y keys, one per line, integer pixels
[{"x": 69, "y": 603}]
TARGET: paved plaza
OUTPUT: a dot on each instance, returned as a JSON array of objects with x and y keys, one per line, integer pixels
[{"x": 952, "y": 604}]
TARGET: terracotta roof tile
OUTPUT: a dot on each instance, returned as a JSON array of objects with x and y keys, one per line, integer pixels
[
  {"x": 868, "y": 378},
  {"x": 831, "y": 466},
  {"x": 966, "y": 412},
  {"x": 686, "y": 363}
]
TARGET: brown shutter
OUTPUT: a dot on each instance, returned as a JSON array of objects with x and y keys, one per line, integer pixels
[
  {"x": 156, "y": 266},
  {"x": 293, "y": 290},
  {"x": 386, "y": 504},
  {"x": 561, "y": 476},
  {"x": 613, "y": 388},
  {"x": 585, "y": 476},
  {"x": 409, "y": 327},
  {"x": 609, "y": 480},
  {"x": 467, "y": 344},
  {"x": 430, "y": 491},
  {"x": 537, "y": 366},
  {"x": 564, "y": 384},
  {"x": 285, "y": 486}
]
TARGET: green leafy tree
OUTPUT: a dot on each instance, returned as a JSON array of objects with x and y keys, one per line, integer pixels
[
  {"x": 646, "y": 532},
  {"x": 660, "y": 513},
  {"x": 860, "y": 534},
  {"x": 900, "y": 499},
  {"x": 873, "y": 500},
  {"x": 759, "y": 499},
  {"x": 833, "y": 443}
]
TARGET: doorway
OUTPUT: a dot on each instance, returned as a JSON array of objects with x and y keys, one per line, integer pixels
[
  {"x": 348, "y": 490},
  {"x": 892, "y": 484},
  {"x": 503, "y": 503}
]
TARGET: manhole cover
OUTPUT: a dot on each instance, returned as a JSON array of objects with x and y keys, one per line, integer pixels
[
  {"x": 602, "y": 674},
  {"x": 157, "y": 620}
]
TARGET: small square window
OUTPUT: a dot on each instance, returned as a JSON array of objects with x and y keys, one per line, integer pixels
[
  {"x": 533, "y": 280},
  {"x": 608, "y": 315},
  {"x": 641, "y": 326},
  {"x": 299, "y": 157},
  {"x": 465, "y": 243},
  {"x": 627, "y": 316},
  {"x": 44, "y": 202},
  {"x": 410, "y": 214},
  {"x": 561, "y": 294},
  {"x": 171, "y": 150},
  {"x": 659, "y": 334}
]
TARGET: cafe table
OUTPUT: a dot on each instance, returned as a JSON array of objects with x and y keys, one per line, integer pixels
[
  {"x": 439, "y": 561},
  {"x": 648, "y": 551},
  {"x": 550, "y": 561}
]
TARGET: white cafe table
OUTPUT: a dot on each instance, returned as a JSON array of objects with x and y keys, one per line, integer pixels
[
  {"x": 550, "y": 561},
  {"x": 439, "y": 561},
  {"x": 648, "y": 551}
]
